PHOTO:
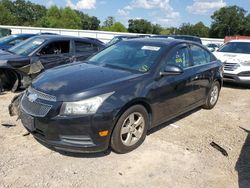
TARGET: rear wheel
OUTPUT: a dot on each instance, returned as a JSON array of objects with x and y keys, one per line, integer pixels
[
  {"x": 213, "y": 96},
  {"x": 130, "y": 130}
]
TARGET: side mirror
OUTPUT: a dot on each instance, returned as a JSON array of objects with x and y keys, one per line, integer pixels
[{"x": 171, "y": 70}]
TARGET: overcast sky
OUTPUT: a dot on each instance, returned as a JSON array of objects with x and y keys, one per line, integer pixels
[{"x": 164, "y": 12}]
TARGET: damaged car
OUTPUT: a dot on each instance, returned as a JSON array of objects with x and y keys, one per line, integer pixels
[
  {"x": 120, "y": 93},
  {"x": 22, "y": 63}
]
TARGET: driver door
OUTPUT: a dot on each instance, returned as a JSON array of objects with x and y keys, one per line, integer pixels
[
  {"x": 173, "y": 93},
  {"x": 55, "y": 53}
]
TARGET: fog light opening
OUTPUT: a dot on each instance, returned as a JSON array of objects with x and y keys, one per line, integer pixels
[{"x": 103, "y": 133}]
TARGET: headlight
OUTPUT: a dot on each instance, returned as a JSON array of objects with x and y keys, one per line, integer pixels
[
  {"x": 245, "y": 63},
  {"x": 87, "y": 106}
]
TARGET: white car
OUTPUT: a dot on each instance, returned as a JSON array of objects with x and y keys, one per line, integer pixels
[{"x": 236, "y": 57}]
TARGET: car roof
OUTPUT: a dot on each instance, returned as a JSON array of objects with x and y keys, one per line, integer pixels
[
  {"x": 23, "y": 35},
  {"x": 159, "y": 41},
  {"x": 243, "y": 40},
  {"x": 65, "y": 37}
]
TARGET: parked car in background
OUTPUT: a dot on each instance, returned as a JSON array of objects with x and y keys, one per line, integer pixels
[
  {"x": 236, "y": 57},
  {"x": 12, "y": 40},
  {"x": 21, "y": 63},
  {"x": 182, "y": 37},
  {"x": 4, "y": 32},
  {"x": 119, "y": 94},
  {"x": 212, "y": 47},
  {"x": 119, "y": 38}
]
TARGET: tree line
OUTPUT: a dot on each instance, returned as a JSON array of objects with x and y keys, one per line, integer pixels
[{"x": 230, "y": 20}]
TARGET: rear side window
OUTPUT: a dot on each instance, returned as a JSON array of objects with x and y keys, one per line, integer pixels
[
  {"x": 200, "y": 56},
  {"x": 58, "y": 47},
  {"x": 179, "y": 57},
  {"x": 81, "y": 46}
]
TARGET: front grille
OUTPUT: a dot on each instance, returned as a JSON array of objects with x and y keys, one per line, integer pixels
[
  {"x": 230, "y": 66},
  {"x": 42, "y": 95},
  {"x": 34, "y": 108}
]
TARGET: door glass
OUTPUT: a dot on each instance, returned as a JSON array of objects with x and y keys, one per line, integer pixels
[
  {"x": 59, "y": 47},
  {"x": 179, "y": 57},
  {"x": 200, "y": 57},
  {"x": 84, "y": 46}
]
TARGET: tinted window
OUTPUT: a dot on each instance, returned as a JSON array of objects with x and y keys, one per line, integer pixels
[
  {"x": 200, "y": 56},
  {"x": 236, "y": 47},
  {"x": 179, "y": 57},
  {"x": 58, "y": 47},
  {"x": 84, "y": 46},
  {"x": 132, "y": 56}
]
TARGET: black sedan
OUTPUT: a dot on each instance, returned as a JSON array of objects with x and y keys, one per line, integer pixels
[
  {"x": 119, "y": 94},
  {"x": 21, "y": 63}
]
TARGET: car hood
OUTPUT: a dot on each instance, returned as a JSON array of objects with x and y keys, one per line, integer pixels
[
  {"x": 232, "y": 57},
  {"x": 80, "y": 80},
  {"x": 5, "y": 55},
  {"x": 13, "y": 61}
]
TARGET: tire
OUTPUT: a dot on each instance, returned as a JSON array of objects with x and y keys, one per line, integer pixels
[
  {"x": 213, "y": 96},
  {"x": 130, "y": 130}
]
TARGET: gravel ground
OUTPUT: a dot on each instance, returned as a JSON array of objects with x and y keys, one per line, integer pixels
[{"x": 176, "y": 154}]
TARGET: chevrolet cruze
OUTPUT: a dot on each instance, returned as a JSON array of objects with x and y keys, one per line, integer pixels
[{"x": 117, "y": 95}]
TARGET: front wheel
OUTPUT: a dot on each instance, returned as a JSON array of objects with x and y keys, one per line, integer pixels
[
  {"x": 213, "y": 96},
  {"x": 130, "y": 130}
]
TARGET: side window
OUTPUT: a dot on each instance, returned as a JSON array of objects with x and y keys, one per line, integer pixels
[
  {"x": 200, "y": 56},
  {"x": 179, "y": 57},
  {"x": 81, "y": 46},
  {"x": 59, "y": 47}
]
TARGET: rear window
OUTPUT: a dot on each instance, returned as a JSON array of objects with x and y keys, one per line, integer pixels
[{"x": 236, "y": 47}]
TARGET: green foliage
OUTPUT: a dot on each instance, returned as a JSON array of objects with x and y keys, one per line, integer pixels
[
  {"x": 24, "y": 12},
  {"x": 199, "y": 29},
  {"x": 88, "y": 22},
  {"x": 157, "y": 29},
  {"x": 6, "y": 18},
  {"x": 247, "y": 25},
  {"x": 110, "y": 21},
  {"x": 228, "y": 21},
  {"x": 140, "y": 26},
  {"x": 116, "y": 27}
]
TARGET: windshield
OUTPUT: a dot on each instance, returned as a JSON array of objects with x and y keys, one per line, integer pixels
[
  {"x": 236, "y": 47},
  {"x": 27, "y": 46},
  {"x": 7, "y": 38},
  {"x": 132, "y": 56}
]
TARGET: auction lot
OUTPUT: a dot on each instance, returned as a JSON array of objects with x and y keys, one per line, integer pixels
[{"x": 176, "y": 154}]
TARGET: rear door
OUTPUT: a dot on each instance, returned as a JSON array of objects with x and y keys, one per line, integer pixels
[
  {"x": 55, "y": 53},
  {"x": 204, "y": 67},
  {"x": 84, "y": 49},
  {"x": 173, "y": 94}
]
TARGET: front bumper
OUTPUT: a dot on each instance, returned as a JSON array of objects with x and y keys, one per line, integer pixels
[
  {"x": 237, "y": 78},
  {"x": 71, "y": 134}
]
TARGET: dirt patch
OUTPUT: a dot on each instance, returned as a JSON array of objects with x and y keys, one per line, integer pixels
[{"x": 179, "y": 155}]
